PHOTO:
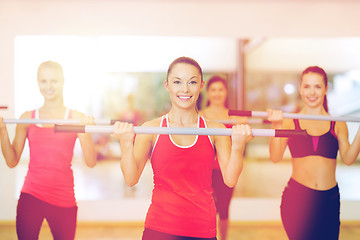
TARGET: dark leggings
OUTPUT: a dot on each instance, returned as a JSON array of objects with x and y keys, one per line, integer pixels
[
  {"x": 222, "y": 194},
  {"x": 31, "y": 212},
  {"x": 309, "y": 214},
  {"x": 150, "y": 234}
]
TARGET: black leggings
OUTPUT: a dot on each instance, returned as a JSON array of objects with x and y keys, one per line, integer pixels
[
  {"x": 309, "y": 214},
  {"x": 150, "y": 234},
  {"x": 31, "y": 212},
  {"x": 222, "y": 194}
]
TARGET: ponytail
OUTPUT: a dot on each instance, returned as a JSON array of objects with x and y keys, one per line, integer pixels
[{"x": 325, "y": 104}]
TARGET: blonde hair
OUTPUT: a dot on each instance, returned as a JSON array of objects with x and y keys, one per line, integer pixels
[{"x": 54, "y": 65}]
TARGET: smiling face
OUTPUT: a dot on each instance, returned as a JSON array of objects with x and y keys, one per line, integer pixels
[
  {"x": 217, "y": 93},
  {"x": 184, "y": 84},
  {"x": 50, "y": 81},
  {"x": 313, "y": 89}
]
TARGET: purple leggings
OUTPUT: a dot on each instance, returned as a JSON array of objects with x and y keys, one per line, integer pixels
[
  {"x": 31, "y": 212},
  {"x": 309, "y": 214},
  {"x": 222, "y": 194}
]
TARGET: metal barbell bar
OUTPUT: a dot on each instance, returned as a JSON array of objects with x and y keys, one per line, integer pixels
[
  {"x": 295, "y": 116},
  {"x": 179, "y": 131},
  {"x": 57, "y": 121}
]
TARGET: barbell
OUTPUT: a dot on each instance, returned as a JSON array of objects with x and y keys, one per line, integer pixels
[
  {"x": 179, "y": 131},
  {"x": 263, "y": 114}
]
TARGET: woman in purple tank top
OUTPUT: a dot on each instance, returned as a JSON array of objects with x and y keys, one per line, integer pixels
[
  {"x": 48, "y": 191},
  {"x": 310, "y": 207}
]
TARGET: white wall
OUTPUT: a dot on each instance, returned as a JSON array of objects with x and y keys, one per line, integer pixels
[
  {"x": 336, "y": 55},
  {"x": 238, "y": 19}
]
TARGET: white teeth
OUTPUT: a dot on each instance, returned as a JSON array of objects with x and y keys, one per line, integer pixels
[{"x": 183, "y": 97}]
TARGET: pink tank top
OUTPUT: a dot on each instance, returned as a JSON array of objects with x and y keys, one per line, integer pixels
[
  {"x": 50, "y": 177},
  {"x": 182, "y": 202}
]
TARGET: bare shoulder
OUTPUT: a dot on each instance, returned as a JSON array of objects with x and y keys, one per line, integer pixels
[
  {"x": 203, "y": 111},
  {"x": 152, "y": 123},
  {"x": 288, "y": 123},
  {"x": 239, "y": 120},
  {"x": 214, "y": 124},
  {"x": 148, "y": 138},
  {"x": 341, "y": 127},
  {"x": 76, "y": 114},
  {"x": 26, "y": 115}
]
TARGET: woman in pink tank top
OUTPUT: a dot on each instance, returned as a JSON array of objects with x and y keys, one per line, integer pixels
[
  {"x": 217, "y": 108},
  {"x": 182, "y": 205},
  {"x": 48, "y": 190}
]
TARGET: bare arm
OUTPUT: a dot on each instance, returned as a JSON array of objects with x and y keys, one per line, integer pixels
[
  {"x": 230, "y": 152},
  {"x": 12, "y": 151},
  {"x": 133, "y": 154},
  {"x": 348, "y": 152},
  {"x": 277, "y": 145},
  {"x": 86, "y": 141}
]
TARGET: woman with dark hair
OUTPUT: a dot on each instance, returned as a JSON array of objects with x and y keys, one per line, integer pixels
[
  {"x": 217, "y": 109},
  {"x": 182, "y": 205},
  {"x": 310, "y": 206}
]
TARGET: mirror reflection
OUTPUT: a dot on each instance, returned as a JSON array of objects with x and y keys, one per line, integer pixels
[{"x": 122, "y": 78}]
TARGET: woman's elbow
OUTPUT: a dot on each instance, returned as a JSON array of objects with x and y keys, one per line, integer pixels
[
  {"x": 11, "y": 165},
  {"x": 275, "y": 157},
  {"x": 90, "y": 161},
  {"x": 348, "y": 162},
  {"x": 230, "y": 184},
  {"x": 275, "y": 160},
  {"x": 131, "y": 182},
  {"x": 91, "y": 164}
]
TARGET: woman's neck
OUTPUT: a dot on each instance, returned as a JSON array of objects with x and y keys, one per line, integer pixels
[
  {"x": 217, "y": 108},
  {"x": 313, "y": 111},
  {"x": 181, "y": 117},
  {"x": 53, "y": 105}
]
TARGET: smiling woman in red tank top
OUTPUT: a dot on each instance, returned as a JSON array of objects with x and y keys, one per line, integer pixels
[{"x": 182, "y": 205}]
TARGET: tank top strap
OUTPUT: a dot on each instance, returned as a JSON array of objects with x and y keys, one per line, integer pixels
[
  {"x": 332, "y": 125},
  {"x": 297, "y": 124},
  {"x": 35, "y": 113},
  {"x": 68, "y": 113},
  {"x": 332, "y": 128},
  {"x": 164, "y": 121},
  {"x": 202, "y": 122}
]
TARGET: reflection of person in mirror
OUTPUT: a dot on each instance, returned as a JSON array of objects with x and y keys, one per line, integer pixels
[
  {"x": 182, "y": 204},
  {"x": 310, "y": 205},
  {"x": 131, "y": 114},
  {"x": 48, "y": 190},
  {"x": 218, "y": 109}
]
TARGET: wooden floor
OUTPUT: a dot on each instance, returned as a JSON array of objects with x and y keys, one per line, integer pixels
[{"x": 237, "y": 231}]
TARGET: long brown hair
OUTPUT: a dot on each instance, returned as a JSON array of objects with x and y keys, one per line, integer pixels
[
  {"x": 215, "y": 79},
  {"x": 185, "y": 60}
]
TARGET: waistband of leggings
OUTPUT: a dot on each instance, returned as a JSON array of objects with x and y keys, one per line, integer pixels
[{"x": 293, "y": 184}]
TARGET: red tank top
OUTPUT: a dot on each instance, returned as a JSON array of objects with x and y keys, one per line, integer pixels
[
  {"x": 50, "y": 177},
  {"x": 182, "y": 202}
]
